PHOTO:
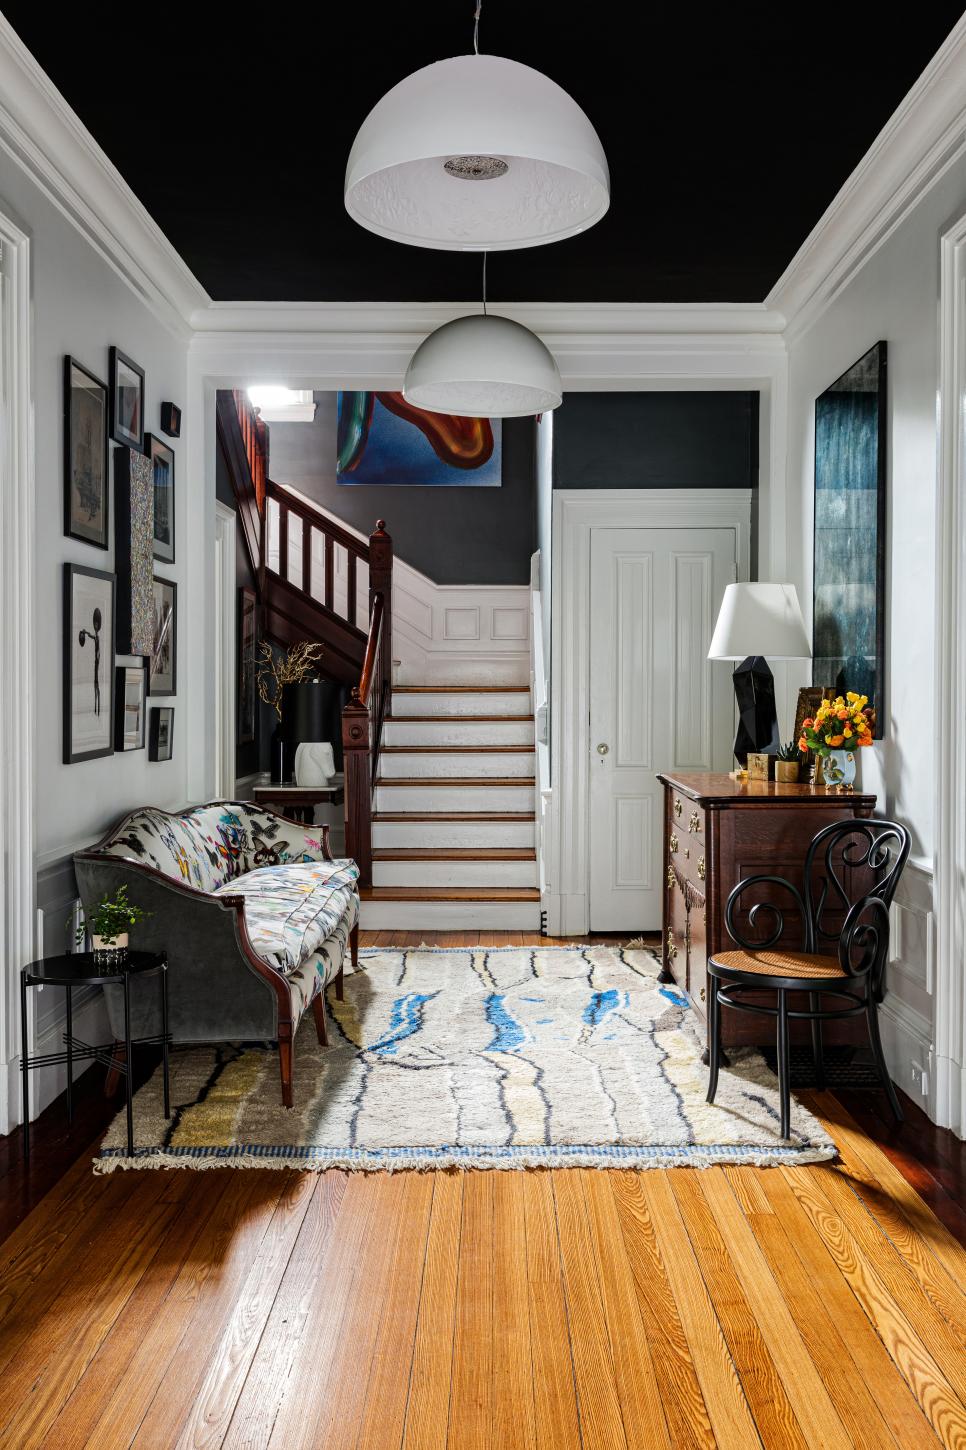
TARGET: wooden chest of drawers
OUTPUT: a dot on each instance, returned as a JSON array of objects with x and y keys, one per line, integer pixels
[{"x": 716, "y": 832}]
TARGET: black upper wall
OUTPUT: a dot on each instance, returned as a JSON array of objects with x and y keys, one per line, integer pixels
[
  {"x": 453, "y": 535},
  {"x": 656, "y": 440}
]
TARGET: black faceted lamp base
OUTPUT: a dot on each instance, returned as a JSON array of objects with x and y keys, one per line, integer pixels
[{"x": 757, "y": 716}]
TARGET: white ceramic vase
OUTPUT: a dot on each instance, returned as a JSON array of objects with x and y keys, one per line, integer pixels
[{"x": 314, "y": 763}]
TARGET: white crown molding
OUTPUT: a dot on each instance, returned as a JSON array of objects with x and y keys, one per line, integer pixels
[
  {"x": 40, "y": 132},
  {"x": 918, "y": 144}
]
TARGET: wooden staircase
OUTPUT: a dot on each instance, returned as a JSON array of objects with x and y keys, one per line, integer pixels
[{"x": 439, "y": 779}]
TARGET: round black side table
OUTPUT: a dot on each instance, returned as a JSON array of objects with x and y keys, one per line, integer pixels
[{"x": 79, "y": 969}]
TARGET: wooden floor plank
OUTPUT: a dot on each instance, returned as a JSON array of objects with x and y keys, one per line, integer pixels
[
  {"x": 640, "y": 1398},
  {"x": 819, "y": 1421},
  {"x": 218, "y": 1250},
  {"x": 512, "y": 1415},
  {"x": 340, "y": 1282},
  {"x": 932, "y": 1390},
  {"x": 874, "y": 1364},
  {"x": 231, "y": 1354},
  {"x": 554, "y": 1389},
  {"x": 761, "y": 1378},
  {"x": 826, "y": 1341},
  {"x": 383, "y": 1415},
  {"x": 728, "y": 1410},
  {"x": 469, "y": 1411},
  {"x": 427, "y": 1410},
  {"x": 36, "y": 1384},
  {"x": 271, "y": 1369},
  {"x": 74, "y": 1427},
  {"x": 598, "y": 1394},
  {"x": 687, "y": 1415}
]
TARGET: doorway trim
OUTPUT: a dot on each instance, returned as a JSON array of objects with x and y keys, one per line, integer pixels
[
  {"x": 949, "y": 1009},
  {"x": 576, "y": 512},
  {"x": 226, "y": 524},
  {"x": 17, "y": 527}
]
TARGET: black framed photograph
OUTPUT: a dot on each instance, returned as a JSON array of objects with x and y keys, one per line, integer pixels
[
  {"x": 130, "y": 706},
  {"x": 171, "y": 420},
  {"x": 162, "y": 462},
  {"x": 164, "y": 651},
  {"x": 247, "y": 682},
  {"x": 848, "y": 619},
  {"x": 161, "y": 740},
  {"x": 88, "y": 663},
  {"x": 86, "y": 485},
  {"x": 126, "y": 385}
]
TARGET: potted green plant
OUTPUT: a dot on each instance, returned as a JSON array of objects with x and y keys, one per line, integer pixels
[
  {"x": 788, "y": 762},
  {"x": 109, "y": 925}
]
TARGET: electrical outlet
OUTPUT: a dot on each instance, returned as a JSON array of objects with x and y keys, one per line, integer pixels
[{"x": 920, "y": 1079}]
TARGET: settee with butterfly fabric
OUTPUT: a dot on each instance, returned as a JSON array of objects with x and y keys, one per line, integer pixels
[{"x": 252, "y": 910}]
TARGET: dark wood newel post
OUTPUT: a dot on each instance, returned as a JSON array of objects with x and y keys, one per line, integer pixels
[
  {"x": 358, "y": 785},
  {"x": 380, "y": 582}
]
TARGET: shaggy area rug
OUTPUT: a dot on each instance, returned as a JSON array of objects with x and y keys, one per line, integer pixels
[{"x": 475, "y": 1058}]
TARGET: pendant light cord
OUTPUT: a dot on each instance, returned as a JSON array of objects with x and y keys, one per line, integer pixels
[
  {"x": 484, "y": 284},
  {"x": 476, "y": 27}
]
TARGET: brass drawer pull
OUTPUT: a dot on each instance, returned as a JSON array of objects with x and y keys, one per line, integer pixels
[
  {"x": 673, "y": 844},
  {"x": 678, "y": 808},
  {"x": 671, "y": 878},
  {"x": 694, "y": 824},
  {"x": 672, "y": 950},
  {"x": 701, "y": 867}
]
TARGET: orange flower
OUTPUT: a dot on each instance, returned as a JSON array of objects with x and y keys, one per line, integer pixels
[
  {"x": 842, "y": 714},
  {"x": 835, "y": 740},
  {"x": 807, "y": 723},
  {"x": 803, "y": 745}
]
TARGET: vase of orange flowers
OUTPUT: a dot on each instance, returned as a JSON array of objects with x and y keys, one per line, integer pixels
[{"x": 838, "y": 728}]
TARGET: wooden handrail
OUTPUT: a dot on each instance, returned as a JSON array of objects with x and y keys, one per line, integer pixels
[{"x": 369, "y": 704}]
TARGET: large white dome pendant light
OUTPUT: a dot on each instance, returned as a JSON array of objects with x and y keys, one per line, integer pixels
[{"x": 477, "y": 153}]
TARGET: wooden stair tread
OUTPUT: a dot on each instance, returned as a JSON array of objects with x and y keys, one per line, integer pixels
[
  {"x": 456, "y": 749},
  {"x": 458, "y": 720},
  {"x": 453, "y": 853},
  {"x": 478, "y": 816},
  {"x": 461, "y": 689},
  {"x": 449, "y": 893},
  {"x": 452, "y": 781}
]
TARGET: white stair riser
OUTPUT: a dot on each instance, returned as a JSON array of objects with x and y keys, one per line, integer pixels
[
  {"x": 458, "y": 702},
  {"x": 453, "y": 833},
  {"x": 454, "y": 731},
  {"x": 471, "y": 763},
  {"x": 454, "y": 798},
  {"x": 450, "y": 916},
  {"x": 454, "y": 873}
]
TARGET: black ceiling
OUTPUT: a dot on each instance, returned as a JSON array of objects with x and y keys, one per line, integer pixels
[{"x": 726, "y": 136}]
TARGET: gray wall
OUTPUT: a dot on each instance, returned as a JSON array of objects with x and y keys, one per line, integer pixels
[
  {"x": 453, "y": 535},
  {"x": 656, "y": 440}
]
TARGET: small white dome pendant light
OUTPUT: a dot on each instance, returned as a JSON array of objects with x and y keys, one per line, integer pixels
[
  {"x": 483, "y": 367},
  {"x": 477, "y": 153}
]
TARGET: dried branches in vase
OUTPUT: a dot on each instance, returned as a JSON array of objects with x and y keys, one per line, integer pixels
[{"x": 276, "y": 671}]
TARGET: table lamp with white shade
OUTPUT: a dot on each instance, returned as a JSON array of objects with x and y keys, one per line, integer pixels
[{"x": 757, "y": 620}]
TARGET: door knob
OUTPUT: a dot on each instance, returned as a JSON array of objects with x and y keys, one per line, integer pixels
[{"x": 602, "y": 749}]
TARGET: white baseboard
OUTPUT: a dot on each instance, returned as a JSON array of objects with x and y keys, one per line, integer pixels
[{"x": 907, "y": 1043}]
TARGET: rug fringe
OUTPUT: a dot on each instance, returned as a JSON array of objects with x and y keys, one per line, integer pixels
[{"x": 427, "y": 1163}]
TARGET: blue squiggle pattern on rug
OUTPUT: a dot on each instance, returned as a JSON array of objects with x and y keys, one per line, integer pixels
[
  {"x": 508, "y": 1034},
  {"x": 599, "y": 1005},
  {"x": 405, "y": 1019}
]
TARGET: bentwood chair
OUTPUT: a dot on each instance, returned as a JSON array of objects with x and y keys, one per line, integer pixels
[{"x": 852, "y": 870}]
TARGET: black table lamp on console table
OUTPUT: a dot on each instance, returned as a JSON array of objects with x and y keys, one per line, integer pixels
[{"x": 755, "y": 620}]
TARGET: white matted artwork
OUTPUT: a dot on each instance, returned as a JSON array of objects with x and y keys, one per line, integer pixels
[
  {"x": 164, "y": 653},
  {"x": 88, "y": 663}
]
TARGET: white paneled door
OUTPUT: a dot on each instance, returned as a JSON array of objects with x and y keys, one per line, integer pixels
[{"x": 657, "y": 702}]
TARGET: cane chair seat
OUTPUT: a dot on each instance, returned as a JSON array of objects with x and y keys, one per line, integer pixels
[{"x": 803, "y": 966}]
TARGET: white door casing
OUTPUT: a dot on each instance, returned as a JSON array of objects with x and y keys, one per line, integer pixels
[
  {"x": 226, "y": 626},
  {"x": 656, "y": 701},
  {"x": 565, "y": 840}
]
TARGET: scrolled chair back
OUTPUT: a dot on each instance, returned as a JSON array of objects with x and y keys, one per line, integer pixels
[{"x": 852, "y": 869}]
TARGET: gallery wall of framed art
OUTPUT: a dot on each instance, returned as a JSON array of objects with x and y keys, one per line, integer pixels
[{"x": 120, "y": 625}]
